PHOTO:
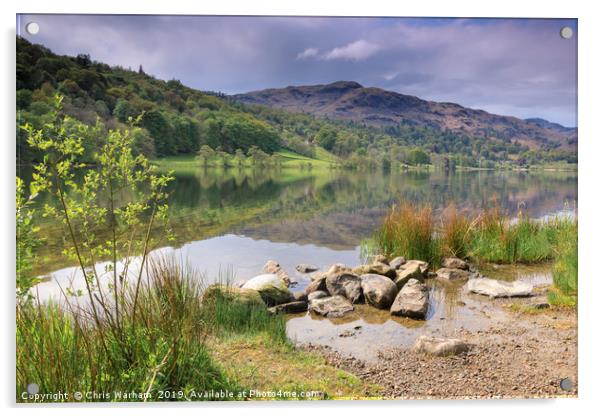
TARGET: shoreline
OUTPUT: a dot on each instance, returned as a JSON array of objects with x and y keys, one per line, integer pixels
[{"x": 526, "y": 357}]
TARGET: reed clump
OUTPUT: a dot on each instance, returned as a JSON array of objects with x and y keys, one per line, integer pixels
[{"x": 486, "y": 236}]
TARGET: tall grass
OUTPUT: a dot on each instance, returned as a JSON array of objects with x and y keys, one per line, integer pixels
[
  {"x": 565, "y": 273},
  {"x": 161, "y": 347},
  {"x": 498, "y": 239},
  {"x": 408, "y": 231},
  {"x": 455, "y": 233},
  {"x": 489, "y": 236},
  {"x": 227, "y": 312}
]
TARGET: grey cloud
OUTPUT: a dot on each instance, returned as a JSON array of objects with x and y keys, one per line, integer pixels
[{"x": 511, "y": 66}]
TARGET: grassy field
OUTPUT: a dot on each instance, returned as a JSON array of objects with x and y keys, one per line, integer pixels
[{"x": 323, "y": 159}]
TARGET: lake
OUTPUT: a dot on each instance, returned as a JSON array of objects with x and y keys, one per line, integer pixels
[{"x": 231, "y": 222}]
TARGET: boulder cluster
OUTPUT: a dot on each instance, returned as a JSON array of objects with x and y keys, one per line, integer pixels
[{"x": 397, "y": 285}]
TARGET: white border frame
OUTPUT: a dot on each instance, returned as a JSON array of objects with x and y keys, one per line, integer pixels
[{"x": 589, "y": 195}]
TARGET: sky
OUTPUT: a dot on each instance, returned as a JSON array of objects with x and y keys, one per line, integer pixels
[{"x": 518, "y": 67}]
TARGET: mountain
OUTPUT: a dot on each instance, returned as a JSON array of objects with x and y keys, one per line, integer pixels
[
  {"x": 360, "y": 127},
  {"x": 350, "y": 101},
  {"x": 552, "y": 126}
]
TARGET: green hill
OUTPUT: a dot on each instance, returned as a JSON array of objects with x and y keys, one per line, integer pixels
[{"x": 175, "y": 121}]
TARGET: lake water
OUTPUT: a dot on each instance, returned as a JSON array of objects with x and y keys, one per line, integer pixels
[{"x": 232, "y": 222}]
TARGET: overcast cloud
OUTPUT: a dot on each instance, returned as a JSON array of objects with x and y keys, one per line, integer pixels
[{"x": 505, "y": 66}]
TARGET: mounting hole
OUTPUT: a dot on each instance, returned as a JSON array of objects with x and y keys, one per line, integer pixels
[
  {"x": 32, "y": 28},
  {"x": 33, "y": 388},
  {"x": 566, "y": 32},
  {"x": 566, "y": 384}
]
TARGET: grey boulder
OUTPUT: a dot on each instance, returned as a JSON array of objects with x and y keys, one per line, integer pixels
[
  {"x": 331, "y": 307},
  {"x": 452, "y": 274},
  {"x": 455, "y": 263},
  {"x": 379, "y": 291},
  {"x": 412, "y": 300},
  {"x": 375, "y": 268},
  {"x": 290, "y": 307},
  {"x": 499, "y": 288},
  {"x": 317, "y": 284},
  {"x": 397, "y": 262},
  {"x": 272, "y": 267},
  {"x": 273, "y": 289},
  {"x": 440, "y": 346},
  {"x": 306, "y": 268},
  {"x": 317, "y": 295},
  {"x": 403, "y": 276},
  {"x": 424, "y": 266},
  {"x": 345, "y": 284}
]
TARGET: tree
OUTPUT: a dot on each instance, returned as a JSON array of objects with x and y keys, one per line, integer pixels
[
  {"x": 161, "y": 131},
  {"x": 224, "y": 157},
  {"x": 205, "y": 154},
  {"x": 95, "y": 204},
  {"x": 327, "y": 137},
  {"x": 240, "y": 157},
  {"x": 418, "y": 157},
  {"x": 123, "y": 110},
  {"x": 258, "y": 157}
]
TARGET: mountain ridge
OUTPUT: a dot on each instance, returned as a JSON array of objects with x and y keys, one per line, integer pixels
[{"x": 351, "y": 101}]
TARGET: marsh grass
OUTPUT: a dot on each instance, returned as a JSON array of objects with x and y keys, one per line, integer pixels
[
  {"x": 489, "y": 236},
  {"x": 455, "y": 233},
  {"x": 498, "y": 239},
  {"x": 565, "y": 273},
  {"x": 162, "y": 347},
  {"x": 409, "y": 231}
]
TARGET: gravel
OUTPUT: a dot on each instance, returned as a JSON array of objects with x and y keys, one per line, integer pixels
[{"x": 526, "y": 357}]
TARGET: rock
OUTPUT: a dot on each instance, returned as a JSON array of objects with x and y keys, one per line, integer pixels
[
  {"x": 273, "y": 289},
  {"x": 239, "y": 283},
  {"x": 404, "y": 275},
  {"x": 306, "y": 268},
  {"x": 411, "y": 263},
  {"x": 455, "y": 263},
  {"x": 379, "y": 291},
  {"x": 232, "y": 293},
  {"x": 318, "y": 284},
  {"x": 452, "y": 274},
  {"x": 499, "y": 288},
  {"x": 412, "y": 300},
  {"x": 540, "y": 305},
  {"x": 397, "y": 262},
  {"x": 345, "y": 284},
  {"x": 375, "y": 268},
  {"x": 379, "y": 258},
  {"x": 299, "y": 296},
  {"x": 338, "y": 268},
  {"x": 317, "y": 275},
  {"x": 317, "y": 295},
  {"x": 272, "y": 267},
  {"x": 331, "y": 307},
  {"x": 440, "y": 346},
  {"x": 290, "y": 307}
]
